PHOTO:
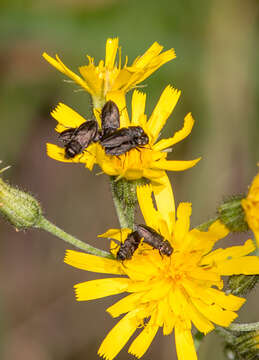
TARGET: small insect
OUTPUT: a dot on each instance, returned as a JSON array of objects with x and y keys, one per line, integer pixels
[
  {"x": 123, "y": 140},
  {"x": 110, "y": 118},
  {"x": 129, "y": 246},
  {"x": 76, "y": 140},
  {"x": 152, "y": 238}
]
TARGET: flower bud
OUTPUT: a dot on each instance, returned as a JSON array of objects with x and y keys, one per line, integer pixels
[
  {"x": 242, "y": 284},
  {"x": 231, "y": 214},
  {"x": 18, "y": 207},
  {"x": 243, "y": 345}
]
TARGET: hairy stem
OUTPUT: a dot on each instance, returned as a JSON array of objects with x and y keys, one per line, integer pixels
[
  {"x": 46, "y": 225},
  {"x": 125, "y": 200},
  {"x": 244, "y": 327}
]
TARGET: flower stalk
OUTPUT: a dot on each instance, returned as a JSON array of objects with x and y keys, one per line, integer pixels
[
  {"x": 24, "y": 212},
  {"x": 125, "y": 200},
  {"x": 46, "y": 225},
  {"x": 244, "y": 327}
]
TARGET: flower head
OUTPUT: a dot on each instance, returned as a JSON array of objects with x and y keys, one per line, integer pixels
[
  {"x": 148, "y": 161},
  {"x": 110, "y": 75},
  {"x": 171, "y": 292},
  {"x": 251, "y": 207}
]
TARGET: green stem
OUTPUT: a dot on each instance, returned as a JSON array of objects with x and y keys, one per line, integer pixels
[
  {"x": 125, "y": 199},
  {"x": 118, "y": 205},
  {"x": 204, "y": 226},
  {"x": 244, "y": 327},
  {"x": 46, "y": 225},
  {"x": 225, "y": 333}
]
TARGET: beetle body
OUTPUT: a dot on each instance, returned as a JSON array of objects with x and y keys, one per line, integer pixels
[
  {"x": 76, "y": 140},
  {"x": 123, "y": 140},
  {"x": 129, "y": 246},
  {"x": 152, "y": 238},
  {"x": 110, "y": 118}
]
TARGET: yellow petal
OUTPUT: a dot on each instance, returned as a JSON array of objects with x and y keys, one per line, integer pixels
[
  {"x": 120, "y": 100},
  {"x": 182, "y": 224},
  {"x": 151, "y": 60},
  {"x": 177, "y": 301},
  {"x": 125, "y": 305},
  {"x": 144, "y": 194},
  {"x": 96, "y": 289},
  {"x": 248, "y": 265},
  {"x": 204, "y": 274},
  {"x": 117, "y": 234},
  {"x": 164, "y": 230},
  {"x": 213, "y": 296},
  {"x": 178, "y": 136},
  {"x": 140, "y": 269},
  {"x": 111, "y": 52},
  {"x": 125, "y": 79},
  {"x": 162, "y": 111},
  {"x": 169, "y": 321},
  {"x": 165, "y": 201},
  {"x": 138, "y": 286},
  {"x": 154, "y": 175},
  {"x": 153, "y": 51},
  {"x": 220, "y": 255},
  {"x": 141, "y": 344},
  {"x": 119, "y": 336},
  {"x": 58, "y": 64},
  {"x": 229, "y": 302},
  {"x": 215, "y": 313},
  {"x": 205, "y": 240},
  {"x": 163, "y": 310},
  {"x": 175, "y": 165},
  {"x": 142, "y": 121},
  {"x": 199, "y": 320},
  {"x": 183, "y": 308},
  {"x": 138, "y": 107},
  {"x": 92, "y": 263},
  {"x": 92, "y": 77},
  {"x": 54, "y": 62},
  {"x": 158, "y": 290},
  {"x": 184, "y": 344},
  {"x": 67, "y": 117},
  {"x": 58, "y": 153}
]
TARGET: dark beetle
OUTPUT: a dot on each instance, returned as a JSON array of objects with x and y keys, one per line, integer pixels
[
  {"x": 110, "y": 118},
  {"x": 76, "y": 140},
  {"x": 152, "y": 238},
  {"x": 123, "y": 140},
  {"x": 129, "y": 246}
]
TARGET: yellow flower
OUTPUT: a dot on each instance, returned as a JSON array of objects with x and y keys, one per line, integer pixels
[
  {"x": 109, "y": 75},
  {"x": 251, "y": 207},
  {"x": 149, "y": 161},
  {"x": 168, "y": 292}
]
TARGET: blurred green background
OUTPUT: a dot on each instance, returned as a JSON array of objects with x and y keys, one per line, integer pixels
[{"x": 216, "y": 68}]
